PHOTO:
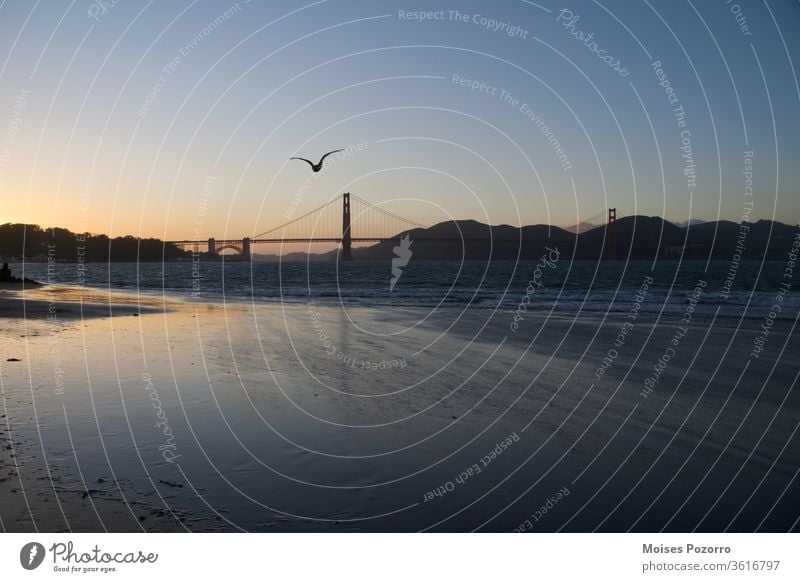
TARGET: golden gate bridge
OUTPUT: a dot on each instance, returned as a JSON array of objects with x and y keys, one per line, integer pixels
[{"x": 359, "y": 222}]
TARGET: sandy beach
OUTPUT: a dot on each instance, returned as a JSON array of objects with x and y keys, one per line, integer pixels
[
  {"x": 37, "y": 493},
  {"x": 128, "y": 413},
  {"x": 63, "y": 303}
]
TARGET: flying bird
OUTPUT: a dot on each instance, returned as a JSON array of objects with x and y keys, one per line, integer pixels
[{"x": 317, "y": 167}]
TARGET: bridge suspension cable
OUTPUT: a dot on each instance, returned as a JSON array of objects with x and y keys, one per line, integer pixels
[
  {"x": 386, "y": 212},
  {"x": 298, "y": 219},
  {"x": 595, "y": 217}
]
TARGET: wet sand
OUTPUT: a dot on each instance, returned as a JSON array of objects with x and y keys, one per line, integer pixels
[
  {"x": 43, "y": 496},
  {"x": 227, "y": 417},
  {"x": 66, "y": 303}
]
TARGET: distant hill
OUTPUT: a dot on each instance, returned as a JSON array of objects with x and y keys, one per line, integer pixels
[
  {"x": 292, "y": 257},
  {"x": 502, "y": 242},
  {"x": 581, "y": 227},
  {"x": 765, "y": 238},
  {"x": 634, "y": 237},
  {"x": 689, "y": 222},
  {"x": 644, "y": 237}
]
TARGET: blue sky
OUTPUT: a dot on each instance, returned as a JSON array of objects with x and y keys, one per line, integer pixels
[{"x": 88, "y": 144}]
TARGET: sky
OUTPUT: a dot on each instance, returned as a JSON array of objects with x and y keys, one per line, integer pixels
[{"x": 176, "y": 119}]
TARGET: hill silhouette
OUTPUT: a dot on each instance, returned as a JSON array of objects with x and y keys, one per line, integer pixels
[{"x": 636, "y": 238}]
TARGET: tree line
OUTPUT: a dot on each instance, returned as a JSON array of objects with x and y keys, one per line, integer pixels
[{"x": 32, "y": 241}]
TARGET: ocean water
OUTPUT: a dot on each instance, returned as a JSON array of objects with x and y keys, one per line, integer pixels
[{"x": 560, "y": 286}]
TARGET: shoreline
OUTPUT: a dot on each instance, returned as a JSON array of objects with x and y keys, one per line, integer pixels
[
  {"x": 69, "y": 302},
  {"x": 54, "y": 302}
]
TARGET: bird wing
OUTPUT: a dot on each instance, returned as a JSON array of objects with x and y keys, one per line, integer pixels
[
  {"x": 309, "y": 162},
  {"x": 322, "y": 159}
]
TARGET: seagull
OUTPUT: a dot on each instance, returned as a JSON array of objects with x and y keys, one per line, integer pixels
[{"x": 317, "y": 167}]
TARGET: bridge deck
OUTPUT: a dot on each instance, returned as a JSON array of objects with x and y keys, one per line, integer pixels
[{"x": 220, "y": 242}]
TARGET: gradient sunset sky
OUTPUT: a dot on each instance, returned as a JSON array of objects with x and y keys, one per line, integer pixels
[{"x": 177, "y": 119}]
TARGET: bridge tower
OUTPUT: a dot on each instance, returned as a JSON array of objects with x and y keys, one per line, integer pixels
[
  {"x": 212, "y": 246},
  {"x": 246, "y": 256},
  {"x": 346, "y": 237},
  {"x": 611, "y": 234}
]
